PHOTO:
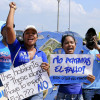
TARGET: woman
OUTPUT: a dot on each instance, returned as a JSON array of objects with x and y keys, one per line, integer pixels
[
  {"x": 70, "y": 91},
  {"x": 23, "y": 53}
]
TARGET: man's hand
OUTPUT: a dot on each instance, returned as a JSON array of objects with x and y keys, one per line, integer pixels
[
  {"x": 96, "y": 44},
  {"x": 91, "y": 78}
]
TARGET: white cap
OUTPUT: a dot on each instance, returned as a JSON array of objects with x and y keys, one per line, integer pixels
[{"x": 30, "y": 27}]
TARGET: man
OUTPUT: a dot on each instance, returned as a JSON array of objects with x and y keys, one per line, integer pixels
[{"x": 91, "y": 47}]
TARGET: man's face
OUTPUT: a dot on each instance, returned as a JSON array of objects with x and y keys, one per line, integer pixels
[{"x": 90, "y": 39}]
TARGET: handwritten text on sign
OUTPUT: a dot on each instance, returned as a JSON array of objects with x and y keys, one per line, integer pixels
[
  {"x": 25, "y": 80},
  {"x": 75, "y": 66}
]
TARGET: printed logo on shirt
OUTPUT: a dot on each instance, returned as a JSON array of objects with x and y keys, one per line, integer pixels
[
  {"x": 23, "y": 54},
  {"x": 23, "y": 57},
  {"x": 98, "y": 57},
  {"x": 3, "y": 53},
  {"x": 6, "y": 59}
]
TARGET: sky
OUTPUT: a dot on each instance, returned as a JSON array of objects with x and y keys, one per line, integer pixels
[{"x": 84, "y": 14}]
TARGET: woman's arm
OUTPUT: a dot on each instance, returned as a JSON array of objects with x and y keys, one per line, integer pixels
[{"x": 9, "y": 24}]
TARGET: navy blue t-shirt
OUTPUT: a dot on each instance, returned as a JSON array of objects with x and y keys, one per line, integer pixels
[{"x": 75, "y": 88}]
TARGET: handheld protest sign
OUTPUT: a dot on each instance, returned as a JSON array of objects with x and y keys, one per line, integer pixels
[
  {"x": 70, "y": 68},
  {"x": 25, "y": 80}
]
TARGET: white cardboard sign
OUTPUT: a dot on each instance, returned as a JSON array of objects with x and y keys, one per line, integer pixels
[
  {"x": 25, "y": 80},
  {"x": 70, "y": 68}
]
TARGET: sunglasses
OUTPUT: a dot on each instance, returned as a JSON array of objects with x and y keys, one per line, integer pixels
[{"x": 68, "y": 34}]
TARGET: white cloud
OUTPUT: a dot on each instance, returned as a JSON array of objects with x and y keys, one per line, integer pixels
[
  {"x": 38, "y": 6},
  {"x": 77, "y": 8},
  {"x": 44, "y": 5},
  {"x": 80, "y": 19},
  {"x": 44, "y": 13}
]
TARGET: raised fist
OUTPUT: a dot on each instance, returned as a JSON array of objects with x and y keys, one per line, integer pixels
[{"x": 13, "y": 5}]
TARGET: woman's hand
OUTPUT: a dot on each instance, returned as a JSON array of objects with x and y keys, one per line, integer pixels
[
  {"x": 91, "y": 78},
  {"x": 45, "y": 66},
  {"x": 9, "y": 24},
  {"x": 13, "y": 5}
]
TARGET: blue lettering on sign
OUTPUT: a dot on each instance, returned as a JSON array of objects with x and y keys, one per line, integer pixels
[
  {"x": 58, "y": 69},
  {"x": 43, "y": 85},
  {"x": 59, "y": 60},
  {"x": 75, "y": 69},
  {"x": 70, "y": 69},
  {"x": 68, "y": 79},
  {"x": 78, "y": 60},
  {"x": 1, "y": 94}
]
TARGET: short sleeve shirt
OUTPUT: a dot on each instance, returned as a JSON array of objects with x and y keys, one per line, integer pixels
[{"x": 23, "y": 56}]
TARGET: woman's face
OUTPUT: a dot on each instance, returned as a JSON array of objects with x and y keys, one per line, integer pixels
[
  {"x": 69, "y": 45},
  {"x": 30, "y": 37}
]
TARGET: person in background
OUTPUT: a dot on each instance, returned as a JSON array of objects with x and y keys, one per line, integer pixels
[
  {"x": 28, "y": 50},
  {"x": 70, "y": 91},
  {"x": 98, "y": 40},
  {"x": 5, "y": 58},
  {"x": 91, "y": 47}
]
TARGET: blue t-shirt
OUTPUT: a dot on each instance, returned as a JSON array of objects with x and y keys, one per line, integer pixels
[
  {"x": 5, "y": 58},
  {"x": 23, "y": 56},
  {"x": 96, "y": 69}
]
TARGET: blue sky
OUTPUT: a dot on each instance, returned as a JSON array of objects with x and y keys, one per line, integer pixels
[
  {"x": 89, "y": 5},
  {"x": 43, "y": 14}
]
